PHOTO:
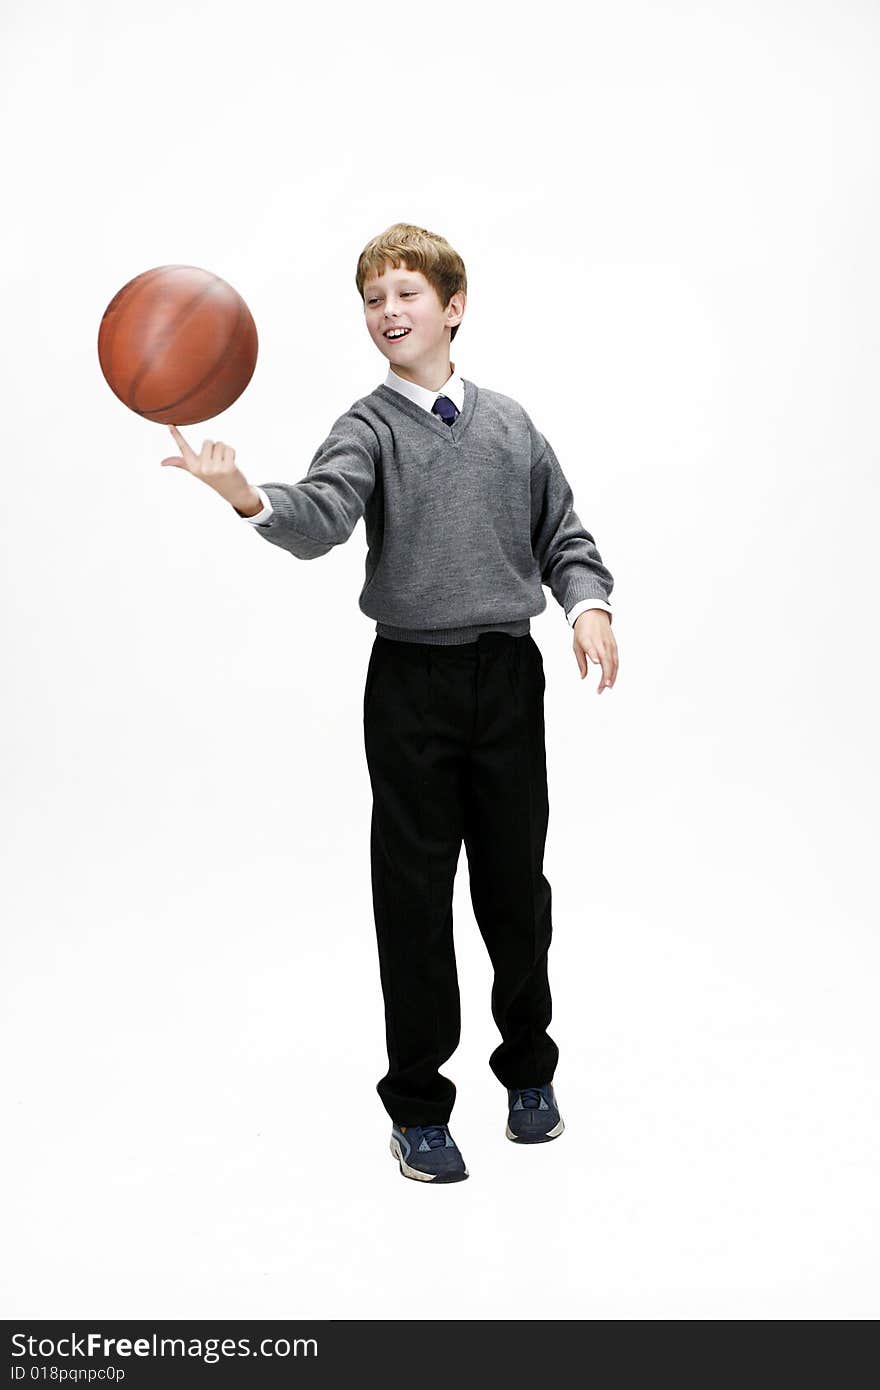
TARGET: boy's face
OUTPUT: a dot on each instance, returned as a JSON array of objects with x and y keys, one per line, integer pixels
[{"x": 401, "y": 298}]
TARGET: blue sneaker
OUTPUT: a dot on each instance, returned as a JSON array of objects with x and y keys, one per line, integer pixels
[
  {"x": 533, "y": 1115},
  {"x": 427, "y": 1153}
]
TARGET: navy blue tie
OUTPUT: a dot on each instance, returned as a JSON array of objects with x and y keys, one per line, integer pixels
[{"x": 446, "y": 409}]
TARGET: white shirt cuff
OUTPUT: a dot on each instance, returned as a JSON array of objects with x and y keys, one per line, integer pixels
[
  {"x": 265, "y": 513},
  {"x": 574, "y": 613}
]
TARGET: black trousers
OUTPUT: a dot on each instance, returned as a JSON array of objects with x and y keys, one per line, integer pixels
[{"x": 454, "y": 740}]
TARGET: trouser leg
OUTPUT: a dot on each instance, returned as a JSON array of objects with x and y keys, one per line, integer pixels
[
  {"x": 415, "y": 714},
  {"x": 506, "y": 820}
]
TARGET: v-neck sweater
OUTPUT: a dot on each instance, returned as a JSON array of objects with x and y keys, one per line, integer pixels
[{"x": 464, "y": 522}]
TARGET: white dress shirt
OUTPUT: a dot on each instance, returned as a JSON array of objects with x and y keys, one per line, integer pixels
[{"x": 453, "y": 388}]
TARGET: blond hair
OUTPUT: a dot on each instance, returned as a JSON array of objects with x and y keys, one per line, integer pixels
[{"x": 414, "y": 248}]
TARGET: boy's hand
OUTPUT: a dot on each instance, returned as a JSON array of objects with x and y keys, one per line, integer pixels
[
  {"x": 215, "y": 465},
  {"x": 593, "y": 638}
]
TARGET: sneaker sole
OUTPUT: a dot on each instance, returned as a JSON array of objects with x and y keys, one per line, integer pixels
[
  {"x": 553, "y": 1133},
  {"x": 409, "y": 1172}
]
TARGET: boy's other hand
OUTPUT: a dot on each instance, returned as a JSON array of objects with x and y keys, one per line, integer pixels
[
  {"x": 594, "y": 639},
  {"x": 215, "y": 465}
]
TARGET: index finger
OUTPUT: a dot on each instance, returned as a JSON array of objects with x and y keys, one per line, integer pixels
[{"x": 180, "y": 439}]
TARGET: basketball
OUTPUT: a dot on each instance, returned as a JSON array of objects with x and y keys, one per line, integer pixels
[{"x": 177, "y": 345}]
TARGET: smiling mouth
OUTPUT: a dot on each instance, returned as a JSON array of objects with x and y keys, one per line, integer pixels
[{"x": 398, "y": 337}]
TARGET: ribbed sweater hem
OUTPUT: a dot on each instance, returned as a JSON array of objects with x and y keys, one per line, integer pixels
[{"x": 450, "y": 636}]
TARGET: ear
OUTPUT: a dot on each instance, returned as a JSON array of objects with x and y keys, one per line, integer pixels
[{"x": 457, "y": 304}]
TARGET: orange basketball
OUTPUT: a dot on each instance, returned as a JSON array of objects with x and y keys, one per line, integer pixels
[{"x": 177, "y": 345}]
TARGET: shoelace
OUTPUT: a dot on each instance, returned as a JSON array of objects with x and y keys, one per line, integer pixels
[
  {"x": 531, "y": 1098},
  {"x": 435, "y": 1136}
]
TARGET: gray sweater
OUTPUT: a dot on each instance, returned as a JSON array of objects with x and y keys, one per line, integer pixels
[{"x": 464, "y": 522}]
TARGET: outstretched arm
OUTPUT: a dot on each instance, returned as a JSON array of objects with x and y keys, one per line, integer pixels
[{"x": 308, "y": 518}]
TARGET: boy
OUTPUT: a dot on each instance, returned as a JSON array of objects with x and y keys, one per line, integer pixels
[{"x": 467, "y": 513}]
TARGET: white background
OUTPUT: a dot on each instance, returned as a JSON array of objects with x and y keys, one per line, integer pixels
[{"x": 669, "y": 217}]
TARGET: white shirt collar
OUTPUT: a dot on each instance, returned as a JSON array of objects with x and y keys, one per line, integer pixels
[{"x": 453, "y": 388}]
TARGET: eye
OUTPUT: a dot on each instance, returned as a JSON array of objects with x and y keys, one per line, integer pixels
[{"x": 408, "y": 292}]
